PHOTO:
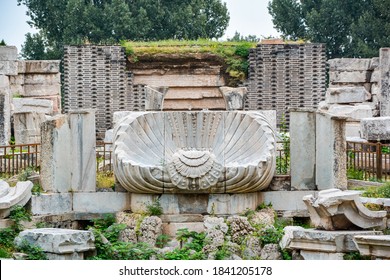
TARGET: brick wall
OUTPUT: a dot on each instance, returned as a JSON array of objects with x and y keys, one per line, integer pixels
[
  {"x": 286, "y": 75},
  {"x": 96, "y": 77}
]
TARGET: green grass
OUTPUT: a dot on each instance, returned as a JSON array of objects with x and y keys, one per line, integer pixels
[{"x": 234, "y": 54}]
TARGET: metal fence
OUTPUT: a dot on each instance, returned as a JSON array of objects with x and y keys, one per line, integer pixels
[
  {"x": 15, "y": 158},
  {"x": 104, "y": 157},
  {"x": 368, "y": 161},
  {"x": 283, "y": 158}
]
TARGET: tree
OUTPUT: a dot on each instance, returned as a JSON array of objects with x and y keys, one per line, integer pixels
[
  {"x": 109, "y": 21},
  {"x": 348, "y": 27},
  {"x": 36, "y": 47},
  {"x": 2, "y": 43},
  {"x": 240, "y": 38}
]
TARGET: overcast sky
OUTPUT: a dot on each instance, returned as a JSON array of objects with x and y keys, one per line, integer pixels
[{"x": 248, "y": 17}]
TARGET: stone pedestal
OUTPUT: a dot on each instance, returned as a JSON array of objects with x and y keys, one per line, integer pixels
[
  {"x": 303, "y": 149},
  {"x": 331, "y": 161}
]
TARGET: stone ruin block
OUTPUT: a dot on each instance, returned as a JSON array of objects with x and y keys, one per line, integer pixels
[
  {"x": 39, "y": 66},
  {"x": 356, "y": 77},
  {"x": 334, "y": 209},
  {"x": 68, "y": 160},
  {"x": 8, "y": 53},
  {"x": 32, "y": 105},
  {"x": 375, "y": 129},
  {"x": 27, "y": 127},
  {"x": 8, "y": 60},
  {"x": 8, "y": 68},
  {"x": 234, "y": 97},
  {"x": 357, "y": 112},
  {"x": 351, "y": 64},
  {"x": 59, "y": 244},
  {"x": 347, "y": 95},
  {"x": 331, "y": 160}
]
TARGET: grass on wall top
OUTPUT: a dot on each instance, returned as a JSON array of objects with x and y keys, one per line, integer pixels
[{"x": 234, "y": 54}]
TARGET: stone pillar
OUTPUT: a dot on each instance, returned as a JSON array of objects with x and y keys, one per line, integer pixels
[
  {"x": 331, "y": 158},
  {"x": 4, "y": 110},
  {"x": 384, "y": 83},
  {"x": 68, "y": 159},
  {"x": 303, "y": 149},
  {"x": 83, "y": 150},
  {"x": 55, "y": 155}
]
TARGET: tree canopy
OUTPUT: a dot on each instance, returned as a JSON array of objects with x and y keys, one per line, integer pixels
[
  {"x": 108, "y": 21},
  {"x": 350, "y": 28}
]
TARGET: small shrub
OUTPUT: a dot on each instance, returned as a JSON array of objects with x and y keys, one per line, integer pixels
[
  {"x": 162, "y": 240},
  {"x": 19, "y": 214},
  {"x": 271, "y": 235},
  {"x": 154, "y": 208},
  {"x": 286, "y": 255},
  {"x": 355, "y": 174},
  {"x": 375, "y": 192},
  {"x": 103, "y": 224},
  {"x": 25, "y": 174},
  {"x": 36, "y": 189},
  {"x": 33, "y": 252},
  {"x": 351, "y": 256},
  {"x": 105, "y": 180}
]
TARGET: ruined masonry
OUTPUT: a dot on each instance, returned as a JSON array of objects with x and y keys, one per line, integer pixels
[
  {"x": 280, "y": 76},
  {"x": 29, "y": 92}
]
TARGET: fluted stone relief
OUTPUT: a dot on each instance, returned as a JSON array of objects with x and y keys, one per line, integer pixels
[{"x": 194, "y": 152}]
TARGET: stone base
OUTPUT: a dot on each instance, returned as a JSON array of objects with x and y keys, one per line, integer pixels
[
  {"x": 222, "y": 204},
  {"x": 322, "y": 245}
]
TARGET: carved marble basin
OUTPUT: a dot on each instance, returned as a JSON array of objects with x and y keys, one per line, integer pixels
[{"x": 194, "y": 152}]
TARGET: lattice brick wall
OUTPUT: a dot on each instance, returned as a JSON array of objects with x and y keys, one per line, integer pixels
[{"x": 286, "y": 75}]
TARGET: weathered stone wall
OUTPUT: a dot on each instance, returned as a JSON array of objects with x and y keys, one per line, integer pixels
[
  {"x": 358, "y": 89},
  {"x": 29, "y": 91},
  {"x": 286, "y": 75},
  {"x": 191, "y": 82}
]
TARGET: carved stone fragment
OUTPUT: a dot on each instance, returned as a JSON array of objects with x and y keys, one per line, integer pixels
[
  {"x": 334, "y": 209},
  {"x": 194, "y": 152}
]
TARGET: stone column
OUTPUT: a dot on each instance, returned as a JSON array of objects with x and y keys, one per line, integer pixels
[
  {"x": 68, "y": 159},
  {"x": 303, "y": 149},
  {"x": 4, "y": 110},
  {"x": 384, "y": 83},
  {"x": 83, "y": 150},
  {"x": 331, "y": 158},
  {"x": 56, "y": 155}
]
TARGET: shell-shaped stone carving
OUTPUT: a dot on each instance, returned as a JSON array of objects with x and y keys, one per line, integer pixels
[{"x": 194, "y": 152}]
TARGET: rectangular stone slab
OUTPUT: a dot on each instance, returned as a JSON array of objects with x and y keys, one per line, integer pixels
[
  {"x": 375, "y": 129},
  {"x": 59, "y": 241}
]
